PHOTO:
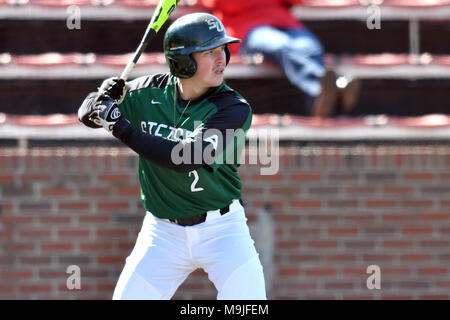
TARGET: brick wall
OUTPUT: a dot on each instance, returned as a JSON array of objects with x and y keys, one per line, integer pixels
[{"x": 318, "y": 224}]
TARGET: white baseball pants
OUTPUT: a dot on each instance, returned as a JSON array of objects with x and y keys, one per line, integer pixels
[{"x": 166, "y": 253}]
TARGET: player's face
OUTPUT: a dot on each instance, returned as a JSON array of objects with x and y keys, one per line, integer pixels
[{"x": 210, "y": 66}]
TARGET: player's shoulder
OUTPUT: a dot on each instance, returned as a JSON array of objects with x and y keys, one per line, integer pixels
[
  {"x": 229, "y": 100},
  {"x": 160, "y": 80}
]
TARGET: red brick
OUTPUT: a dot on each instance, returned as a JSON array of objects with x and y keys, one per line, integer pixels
[
  {"x": 95, "y": 246},
  {"x": 322, "y": 244},
  {"x": 5, "y": 234},
  {"x": 303, "y": 231},
  {"x": 379, "y": 203},
  {"x": 51, "y": 219},
  {"x": 95, "y": 192},
  {"x": 398, "y": 271},
  {"x": 444, "y": 176},
  {"x": 273, "y": 204},
  {"x": 362, "y": 271},
  {"x": 113, "y": 205},
  {"x": 112, "y": 232},
  {"x": 271, "y": 177},
  {"x": 378, "y": 257},
  {"x": 101, "y": 218},
  {"x": 344, "y": 257},
  {"x": 397, "y": 217},
  {"x": 305, "y": 176},
  {"x": 111, "y": 260},
  {"x": 433, "y": 271},
  {"x": 434, "y": 216},
  {"x": 323, "y": 217},
  {"x": 288, "y": 271},
  {"x": 287, "y": 244},
  {"x": 417, "y": 203},
  {"x": 16, "y": 274},
  {"x": 6, "y": 288},
  {"x": 418, "y": 176},
  {"x": 128, "y": 191},
  {"x": 435, "y": 243},
  {"x": 417, "y": 229},
  {"x": 360, "y": 217},
  {"x": 119, "y": 178},
  {"x": 35, "y": 233},
  {"x": 397, "y": 243},
  {"x": 127, "y": 246},
  {"x": 35, "y": 288},
  {"x": 415, "y": 257},
  {"x": 321, "y": 272},
  {"x": 15, "y": 247},
  {"x": 286, "y": 218},
  {"x": 35, "y": 178},
  {"x": 81, "y": 233},
  {"x": 343, "y": 203},
  {"x": 284, "y": 190},
  {"x": 397, "y": 189},
  {"x": 56, "y": 192},
  {"x": 305, "y": 204},
  {"x": 359, "y": 244},
  {"x": 342, "y": 231},
  {"x": 6, "y": 179},
  {"x": 73, "y": 205},
  {"x": 13, "y": 219},
  {"x": 338, "y": 285},
  {"x": 360, "y": 190},
  {"x": 57, "y": 246},
  {"x": 303, "y": 258},
  {"x": 109, "y": 287}
]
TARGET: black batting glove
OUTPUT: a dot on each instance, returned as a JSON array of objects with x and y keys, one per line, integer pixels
[
  {"x": 86, "y": 111},
  {"x": 115, "y": 88},
  {"x": 107, "y": 112}
]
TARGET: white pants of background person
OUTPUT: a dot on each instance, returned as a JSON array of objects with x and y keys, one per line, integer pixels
[{"x": 166, "y": 253}]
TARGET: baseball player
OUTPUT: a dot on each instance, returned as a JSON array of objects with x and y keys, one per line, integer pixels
[{"x": 179, "y": 124}]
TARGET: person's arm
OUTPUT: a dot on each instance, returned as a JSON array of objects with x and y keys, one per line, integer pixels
[{"x": 195, "y": 151}]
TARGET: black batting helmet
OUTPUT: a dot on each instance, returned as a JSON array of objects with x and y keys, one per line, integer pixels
[{"x": 193, "y": 33}]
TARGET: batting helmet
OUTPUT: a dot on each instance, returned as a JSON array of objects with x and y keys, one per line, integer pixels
[{"x": 193, "y": 33}]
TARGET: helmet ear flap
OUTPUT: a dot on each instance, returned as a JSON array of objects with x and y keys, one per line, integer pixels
[
  {"x": 227, "y": 53},
  {"x": 183, "y": 67}
]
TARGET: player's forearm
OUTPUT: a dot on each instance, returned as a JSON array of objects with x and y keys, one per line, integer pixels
[{"x": 157, "y": 149}]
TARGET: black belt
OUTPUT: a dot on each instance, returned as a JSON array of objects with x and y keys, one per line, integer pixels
[{"x": 192, "y": 221}]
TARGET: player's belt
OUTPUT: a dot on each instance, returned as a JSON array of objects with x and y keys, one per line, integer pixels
[{"x": 192, "y": 221}]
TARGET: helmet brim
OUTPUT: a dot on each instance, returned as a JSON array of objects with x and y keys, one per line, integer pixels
[{"x": 214, "y": 43}]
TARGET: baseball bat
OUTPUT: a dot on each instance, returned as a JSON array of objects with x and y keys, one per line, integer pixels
[{"x": 159, "y": 17}]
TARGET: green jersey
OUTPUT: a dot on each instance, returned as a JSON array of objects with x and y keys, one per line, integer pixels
[{"x": 151, "y": 105}]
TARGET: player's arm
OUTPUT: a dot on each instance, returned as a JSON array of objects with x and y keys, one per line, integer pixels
[{"x": 167, "y": 153}]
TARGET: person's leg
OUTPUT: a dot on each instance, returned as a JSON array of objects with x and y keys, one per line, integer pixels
[
  {"x": 158, "y": 264},
  {"x": 226, "y": 251}
]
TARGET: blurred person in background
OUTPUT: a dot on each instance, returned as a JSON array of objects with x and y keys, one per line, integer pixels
[{"x": 268, "y": 27}]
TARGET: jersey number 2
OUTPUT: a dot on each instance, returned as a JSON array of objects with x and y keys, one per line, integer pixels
[{"x": 196, "y": 178}]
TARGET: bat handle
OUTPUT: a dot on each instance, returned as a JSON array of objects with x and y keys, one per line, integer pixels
[
  {"x": 127, "y": 71},
  {"x": 149, "y": 34}
]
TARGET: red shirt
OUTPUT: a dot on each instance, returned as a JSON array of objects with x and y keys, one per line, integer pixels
[{"x": 241, "y": 16}]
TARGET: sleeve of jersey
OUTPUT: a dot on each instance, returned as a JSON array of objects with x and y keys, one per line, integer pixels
[
  {"x": 205, "y": 147},
  {"x": 226, "y": 131}
]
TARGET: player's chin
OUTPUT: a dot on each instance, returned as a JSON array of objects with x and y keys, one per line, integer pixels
[{"x": 216, "y": 79}]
